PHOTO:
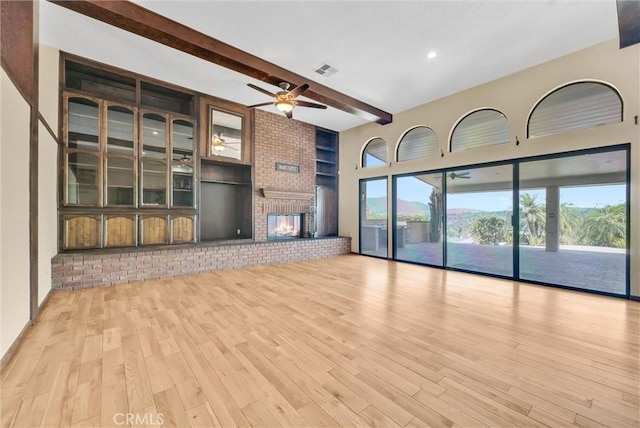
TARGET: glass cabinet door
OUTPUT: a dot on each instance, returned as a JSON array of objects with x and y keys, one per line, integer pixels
[
  {"x": 182, "y": 164},
  {"x": 82, "y": 179},
  {"x": 120, "y": 131},
  {"x": 153, "y": 159},
  {"x": 83, "y": 130}
]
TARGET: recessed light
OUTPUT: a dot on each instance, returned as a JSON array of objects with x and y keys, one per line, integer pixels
[{"x": 432, "y": 54}]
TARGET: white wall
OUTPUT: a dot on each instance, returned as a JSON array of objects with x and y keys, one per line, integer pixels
[
  {"x": 47, "y": 167},
  {"x": 514, "y": 95},
  {"x": 14, "y": 209}
]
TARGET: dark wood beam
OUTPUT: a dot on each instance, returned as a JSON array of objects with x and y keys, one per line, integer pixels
[
  {"x": 628, "y": 22},
  {"x": 143, "y": 22}
]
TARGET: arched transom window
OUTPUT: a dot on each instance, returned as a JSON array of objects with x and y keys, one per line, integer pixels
[
  {"x": 575, "y": 106},
  {"x": 418, "y": 142},
  {"x": 484, "y": 127},
  {"x": 374, "y": 153}
]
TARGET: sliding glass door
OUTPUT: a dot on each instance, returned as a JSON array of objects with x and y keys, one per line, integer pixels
[
  {"x": 573, "y": 221},
  {"x": 373, "y": 217},
  {"x": 418, "y": 218},
  {"x": 478, "y": 221}
]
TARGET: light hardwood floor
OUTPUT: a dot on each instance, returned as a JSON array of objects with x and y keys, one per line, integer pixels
[{"x": 345, "y": 341}]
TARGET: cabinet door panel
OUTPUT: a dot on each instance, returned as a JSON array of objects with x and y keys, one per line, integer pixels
[
  {"x": 120, "y": 231},
  {"x": 154, "y": 230},
  {"x": 182, "y": 229},
  {"x": 82, "y": 232}
]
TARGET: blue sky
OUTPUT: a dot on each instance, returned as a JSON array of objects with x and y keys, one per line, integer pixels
[{"x": 412, "y": 189}]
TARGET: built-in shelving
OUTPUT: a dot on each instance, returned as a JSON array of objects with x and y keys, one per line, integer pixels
[{"x": 326, "y": 221}]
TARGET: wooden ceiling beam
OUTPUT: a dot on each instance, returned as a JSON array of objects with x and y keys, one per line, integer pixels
[{"x": 143, "y": 22}]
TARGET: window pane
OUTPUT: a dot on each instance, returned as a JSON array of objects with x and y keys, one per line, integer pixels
[
  {"x": 82, "y": 179},
  {"x": 418, "y": 143},
  {"x": 154, "y": 184},
  {"x": 84, "y": 126},
  {"x": 226, "y": 135},
  {"x": 375, "y": 153},
  {"x": 120, "y": 130},
  {"x": 373, "y": 217},
  {"x": 120, "y": 181},
  {"x": 418, "y": 225},
  {"x": 480, "y": 128},
  {"x": 182, "y": 167},
  {"x": 573, "y": 221},
  {"x": 154, "y": 136},
  {"x": 479, "y": 220},
  {"x": 576, "y": 106}
]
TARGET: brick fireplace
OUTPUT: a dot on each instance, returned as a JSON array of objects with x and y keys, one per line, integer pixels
[{"x": 279, "y": 140}]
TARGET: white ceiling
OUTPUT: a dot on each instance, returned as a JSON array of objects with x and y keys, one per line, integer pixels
[{"x": 379, "y": 47}]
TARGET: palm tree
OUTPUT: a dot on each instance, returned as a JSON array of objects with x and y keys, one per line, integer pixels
[
  {"x": 569, "y": 219},
  {"x": 533, "y": 217},
  {"x": 605, "y": 227}
]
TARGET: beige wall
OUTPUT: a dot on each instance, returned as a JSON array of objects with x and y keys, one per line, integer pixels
[
  {"x": 14, "y": 209},
  {"x": 47, "y": 168},
  {"x": 514, "y": 95}
]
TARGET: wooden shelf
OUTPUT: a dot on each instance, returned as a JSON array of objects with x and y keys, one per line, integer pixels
[
  {"x": 330, "y": 162},
  {"x": 285, "y": 194},
  {"x": 326, "y": 148}
]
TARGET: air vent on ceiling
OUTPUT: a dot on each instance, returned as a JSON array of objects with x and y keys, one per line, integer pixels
[{"x": 325, "y": 70}]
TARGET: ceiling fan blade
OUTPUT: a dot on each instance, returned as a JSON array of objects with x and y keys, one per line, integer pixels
[
  {"x": 463, "y": 174},
  {"x": 259, "y": 89},
  {"x": 298, "y": 90},
  {"x": 261, "y": 104},
  {"x": 465, "y": 177},
  {"x": 308, "y": 104},
  {"x": 289, "y": 114}
]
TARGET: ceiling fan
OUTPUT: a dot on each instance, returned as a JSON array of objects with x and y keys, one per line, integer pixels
[
  {"x": 285, "y": 100},
  {"x": 219, "y": 144},
  {"x": 453, "y": 175}
]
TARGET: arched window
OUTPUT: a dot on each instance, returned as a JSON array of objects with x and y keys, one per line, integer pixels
[
  {"x": 418, "y": 142},
  {"x": 484, "y": 127},
  {"x": 374, "y": 153},
  {"x": 575, "y": 106}
]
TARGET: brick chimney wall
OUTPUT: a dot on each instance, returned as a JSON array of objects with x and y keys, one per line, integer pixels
[{"x": 282, "y": 140}]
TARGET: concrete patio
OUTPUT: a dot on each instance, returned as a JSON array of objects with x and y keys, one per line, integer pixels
[{"x": 590, "y": 268}]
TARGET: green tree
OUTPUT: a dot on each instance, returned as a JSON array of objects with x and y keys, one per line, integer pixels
[
  {"x": 569, "y": 222},
  {"x": 532, "y": 216},
  {"x": 605, "y": 227},
  {"x": 489, "y": 230}
]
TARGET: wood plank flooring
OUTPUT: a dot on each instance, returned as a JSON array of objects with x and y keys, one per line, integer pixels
[{"x": 347, "y": 341}]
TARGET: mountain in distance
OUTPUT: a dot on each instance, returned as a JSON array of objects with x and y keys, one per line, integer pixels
[{"x": 410, "y": 208}]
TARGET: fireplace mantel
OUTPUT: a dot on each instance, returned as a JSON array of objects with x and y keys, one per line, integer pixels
[{"x": 285, "y": 194}]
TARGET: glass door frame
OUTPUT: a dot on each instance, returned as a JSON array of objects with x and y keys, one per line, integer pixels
[
  {"x": 361, "y": 205},
  {"x": 515, "y": 163}
]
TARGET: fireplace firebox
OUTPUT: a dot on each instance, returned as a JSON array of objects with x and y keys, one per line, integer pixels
[{"x": 284, "y": 226}]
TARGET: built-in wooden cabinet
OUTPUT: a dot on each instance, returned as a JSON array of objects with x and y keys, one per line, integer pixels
[{"x": 128, "y": 160}]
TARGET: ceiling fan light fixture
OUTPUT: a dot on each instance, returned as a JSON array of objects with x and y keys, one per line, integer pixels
[
  {"x": 217, "y": 144},
  {"x": 284, "y": 106}
]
